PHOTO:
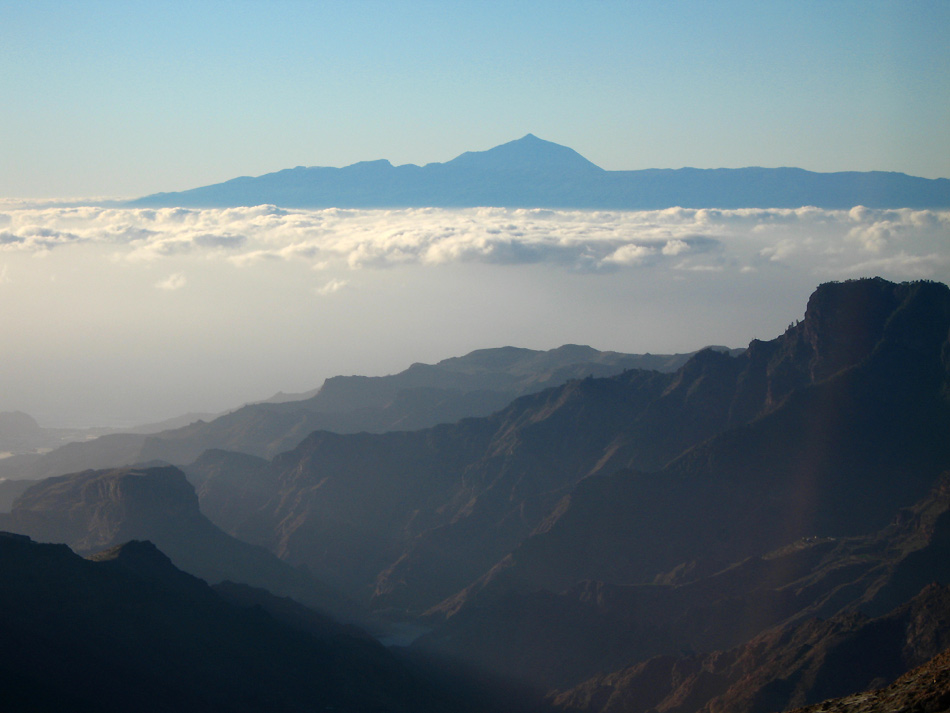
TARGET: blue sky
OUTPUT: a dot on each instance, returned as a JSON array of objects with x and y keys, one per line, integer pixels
[{"x": 128, "y": 98}]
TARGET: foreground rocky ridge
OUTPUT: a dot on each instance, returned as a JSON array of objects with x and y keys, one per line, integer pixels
[
  {"x": 128, "y": 631},
  {"x": 926, "y": 689},
  {"x": 784, "y": 668}
]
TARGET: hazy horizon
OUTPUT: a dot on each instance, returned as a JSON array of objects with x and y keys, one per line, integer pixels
[{"x": 118, "y": 316}]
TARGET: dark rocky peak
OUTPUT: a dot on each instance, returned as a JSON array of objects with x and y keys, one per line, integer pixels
[
  {"x": 845, "y": 321},
  {"x": 529, "y": 153},
  {"x": 708, "y": 369},
  {"x": 134, "y": 552},
  {"x": 84, "y": 635}
]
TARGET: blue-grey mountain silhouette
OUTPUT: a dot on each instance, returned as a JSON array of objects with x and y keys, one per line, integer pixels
[{"x": 534, "y": 173}]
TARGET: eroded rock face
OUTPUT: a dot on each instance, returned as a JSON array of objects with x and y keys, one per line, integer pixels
[{"x": 96, "y": 510}]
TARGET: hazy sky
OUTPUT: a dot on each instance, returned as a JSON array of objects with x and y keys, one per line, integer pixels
[
  {"x": 114, "y": 316},
  {"x": 128, "y": 98}
]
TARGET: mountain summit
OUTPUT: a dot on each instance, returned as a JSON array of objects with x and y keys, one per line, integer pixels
[
  {"x": 529, "y": 153},
  {"x": 533, "y": 173}
]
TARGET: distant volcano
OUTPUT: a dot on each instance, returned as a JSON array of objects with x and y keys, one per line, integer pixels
[{"x": 534, "y": 173}]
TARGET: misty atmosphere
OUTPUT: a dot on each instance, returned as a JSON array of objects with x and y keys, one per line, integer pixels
[{"x": 554, "y": 358}]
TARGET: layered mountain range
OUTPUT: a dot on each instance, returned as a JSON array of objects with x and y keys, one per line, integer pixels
[
  {"x": 532, "y": 173},
  {"x": 421, "y": 396},
  {"x": 751, "y": 531}
]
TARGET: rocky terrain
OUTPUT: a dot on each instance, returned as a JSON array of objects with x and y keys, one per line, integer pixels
[
  {"x": 96, "y": 510},
  {"x": 421, "y": 396},
  {"x": 752, "y": 531}
]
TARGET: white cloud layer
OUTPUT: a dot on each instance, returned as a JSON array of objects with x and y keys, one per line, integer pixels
[
  {"x": 267, "y": 299},
  {"x": 823, "y": 241}
]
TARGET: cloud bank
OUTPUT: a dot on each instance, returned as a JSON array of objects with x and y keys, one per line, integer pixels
[
  {"x": 131, "y": 315},
  {"x": 904, "y": 243}
]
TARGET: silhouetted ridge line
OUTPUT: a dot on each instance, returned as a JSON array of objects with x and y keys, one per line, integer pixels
[{"x": 534, "y": 173}]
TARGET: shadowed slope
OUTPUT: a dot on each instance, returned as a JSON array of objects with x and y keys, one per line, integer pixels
[
  {"x": 95, "y": 510},
  {"x": 128, "y": 631}
]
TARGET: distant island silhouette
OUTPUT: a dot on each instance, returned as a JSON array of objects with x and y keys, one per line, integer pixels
[{"x": 534, "y": 173}]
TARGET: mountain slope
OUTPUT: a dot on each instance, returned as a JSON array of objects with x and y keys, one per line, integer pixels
[
  {"x": 556, "y": 640},
  {"x": 128, "y": 631},
  {"x": 740, "y": 450},
  {"x": 780, "y": 669},
  {"x": 96, "y": 510},
  {"x": 534, "y": 173},
  {"x": 419, "y": 397}
]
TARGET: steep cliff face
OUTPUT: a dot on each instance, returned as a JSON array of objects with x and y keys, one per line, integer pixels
[
  {"x": 826, "y": 429},
  {"x": 96, "y": 510}
]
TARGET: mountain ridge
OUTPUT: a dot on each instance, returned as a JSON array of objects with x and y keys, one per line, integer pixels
[
  {"x": 126, "y": 630},
  {"x": 533, "y": 173},
  {"x": 423, "y": 395},
  {"x": 441, "y": 507},
  {"x": 93, "y": 511}
]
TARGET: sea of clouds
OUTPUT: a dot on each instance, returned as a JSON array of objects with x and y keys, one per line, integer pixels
[
  {"x": 899, "y": 244},
  {"x": 125, "y": 315}
]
